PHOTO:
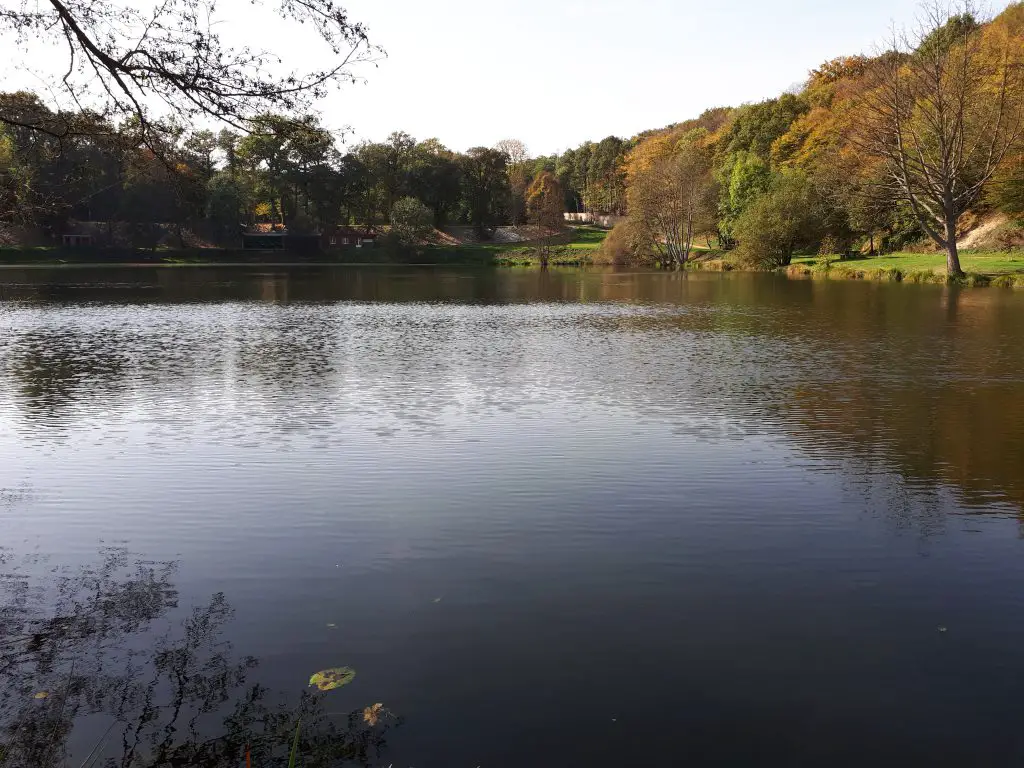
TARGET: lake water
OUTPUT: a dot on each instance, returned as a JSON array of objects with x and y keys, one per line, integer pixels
[{"x": 549, "y": 519}]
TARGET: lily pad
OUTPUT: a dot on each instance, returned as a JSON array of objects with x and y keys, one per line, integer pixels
[{"x": 329, "y": 679}]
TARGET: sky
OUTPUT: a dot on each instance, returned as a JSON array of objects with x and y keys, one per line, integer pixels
[{"x": 556, "y": 74}]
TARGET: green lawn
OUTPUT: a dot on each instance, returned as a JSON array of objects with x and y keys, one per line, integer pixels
[
  {"x": 984, "y": 263},
  {"x": 588, "y": 238}
]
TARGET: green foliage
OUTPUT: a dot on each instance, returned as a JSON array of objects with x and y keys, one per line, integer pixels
[
  {"x": 756, "y": 127},
  {"x": 411, "y": 220},
  {"x": 742, "y": 178},
  {"x": 485, "y": 187},
  {"x": 782, "y": 220},
  {"x": 954, "y": 31}
]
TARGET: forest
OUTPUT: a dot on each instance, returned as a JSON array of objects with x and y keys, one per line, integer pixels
[{"x": 870, "y": 154}]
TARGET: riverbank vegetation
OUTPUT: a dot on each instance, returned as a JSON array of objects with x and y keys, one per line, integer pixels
[
  {"x": 905, "y": 148},
  {"x": 917, "y": 148}
]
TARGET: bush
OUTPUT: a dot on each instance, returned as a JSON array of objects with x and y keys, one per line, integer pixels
[
  {"x": 622, "y": 246},
  {"x": 411, "y": 221},
  {"x": 784, "y": 219}
]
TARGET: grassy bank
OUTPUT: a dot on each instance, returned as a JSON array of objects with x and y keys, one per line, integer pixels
[
  {"x": 575, "y": 248},
  {"x": 1003, "y": 269},
  {"x": 982, "y": 268}
]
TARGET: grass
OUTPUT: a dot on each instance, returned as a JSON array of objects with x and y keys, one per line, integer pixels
[
  {"x": 1001, "y": 269},
  {"x": 981, "y": 262}
]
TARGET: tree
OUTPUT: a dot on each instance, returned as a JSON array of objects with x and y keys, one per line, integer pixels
[
  {"x": 435, "y": 178},
  {"x": 123, "y": 59},
  {"x": 606, "y": 177},
  {"x": 743, "y": 177},
  {"x": 484, "y": 187},
  {"x": 672, "y": 195},
  {"x": 225, "y": 202},
  {"x": 945, "y": 110},
  {"x": 783, "y": 219},
  {"x": 545, "y": 209},
  {"x": 411, "y": 221},
  {"x": 518, "y": 176}
]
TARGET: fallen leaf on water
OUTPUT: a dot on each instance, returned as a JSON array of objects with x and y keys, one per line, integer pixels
[
  {"x": 943, "y": 629},
  {"x": 331, "y": 626},
  {"x": 41, "y": 695},
  {"x": 372, "y": 714},
  {"x": 437, "y": 599},
  {"x": 329, "y": 679}
]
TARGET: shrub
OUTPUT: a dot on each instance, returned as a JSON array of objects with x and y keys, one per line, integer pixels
[
  {"x": 782, "y": 220},
  {"x": 411, "y": 221},
  {"x": 622, "y": 246}
]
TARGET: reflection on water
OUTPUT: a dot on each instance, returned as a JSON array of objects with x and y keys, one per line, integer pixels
[
  {"x": 925, "y": 380},
  {"x": 550, "y": 517},
  {"x": 94, "y": 646}
]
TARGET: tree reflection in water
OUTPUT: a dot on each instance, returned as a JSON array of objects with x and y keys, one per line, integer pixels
[{"x": 93, "y": 672}]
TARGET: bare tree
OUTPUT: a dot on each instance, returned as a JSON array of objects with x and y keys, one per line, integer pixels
[
  {"x": 944, "y": 110},
  {"x": 143, "y": 65}
]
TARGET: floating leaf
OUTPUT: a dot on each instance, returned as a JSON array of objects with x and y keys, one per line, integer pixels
[
  {"x": 331, "y": 626},
  {"x": 437, "y": 599},
  {"x": 41, "y": 695},
  {"x": 372, "y": 714},
  {"x": 329, "y": 679}
]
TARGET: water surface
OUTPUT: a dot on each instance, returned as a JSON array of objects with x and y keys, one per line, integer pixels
[{"x": 550, "y": 518}]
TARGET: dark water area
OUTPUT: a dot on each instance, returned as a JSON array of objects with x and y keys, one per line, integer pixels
[{"x": 549, "y": 518}]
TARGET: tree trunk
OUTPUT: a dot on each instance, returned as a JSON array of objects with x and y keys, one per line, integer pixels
[{"x": 952, "y": 254}]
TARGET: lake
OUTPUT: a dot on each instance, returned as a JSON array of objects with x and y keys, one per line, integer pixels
[{"x": 556, "y": 518}]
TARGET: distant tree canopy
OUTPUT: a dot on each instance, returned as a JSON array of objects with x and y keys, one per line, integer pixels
[{"x": 871, "y": 152}]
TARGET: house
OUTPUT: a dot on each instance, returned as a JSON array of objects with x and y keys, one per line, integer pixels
[
  {"x": 349, "y": 237},
  {"x": 85, "y": 234}
]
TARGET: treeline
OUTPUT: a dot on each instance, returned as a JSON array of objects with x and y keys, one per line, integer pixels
[
  {"x": 872, "y": 152},
  {"x": 285, "y": 173}
]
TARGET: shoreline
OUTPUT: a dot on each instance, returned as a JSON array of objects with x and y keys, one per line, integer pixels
[{"x": 836, "y": 270}]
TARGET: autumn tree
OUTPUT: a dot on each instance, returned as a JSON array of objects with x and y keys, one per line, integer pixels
[
  {"x": 672, "y": 194},
  {"x": 944, "y": 112},
  {"x": 518, "y": 170},
  {"x": 545, "y": 208}
]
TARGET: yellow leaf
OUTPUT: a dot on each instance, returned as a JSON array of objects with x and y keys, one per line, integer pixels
[{"x": 329, "y": 679}]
